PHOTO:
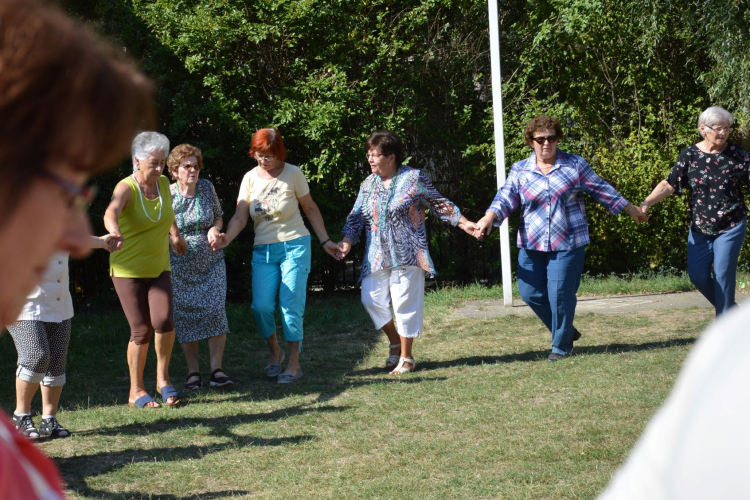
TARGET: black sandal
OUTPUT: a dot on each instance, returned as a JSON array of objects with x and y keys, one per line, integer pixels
[
  {"x": 219, "y": 382},
  {"x": 195, "y": 384}
]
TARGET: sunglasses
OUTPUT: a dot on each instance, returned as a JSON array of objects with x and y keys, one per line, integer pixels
[
  {"x": 542, "y": 139},
  {"x": 80, "y": 196}
]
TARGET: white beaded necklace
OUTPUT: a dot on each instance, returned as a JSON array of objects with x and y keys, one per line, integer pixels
[{"x": 144, "y": 205}]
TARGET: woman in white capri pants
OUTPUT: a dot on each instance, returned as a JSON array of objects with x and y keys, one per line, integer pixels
[{"x": 390, "y": 209}]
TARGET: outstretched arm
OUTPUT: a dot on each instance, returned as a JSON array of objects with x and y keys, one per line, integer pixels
[
  {"x": 236, "y": 224},
  {"x": 316, "y": 221}
]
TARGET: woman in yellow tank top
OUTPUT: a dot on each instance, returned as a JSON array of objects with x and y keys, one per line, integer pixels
[{"x": 140, "y": 215}]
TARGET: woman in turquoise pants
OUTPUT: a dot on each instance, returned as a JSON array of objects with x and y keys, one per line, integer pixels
[{"x": 271, "y": 195}]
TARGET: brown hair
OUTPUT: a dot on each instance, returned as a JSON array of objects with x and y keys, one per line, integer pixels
[
  {"x": 389, "y": 143},
  {"x": 542, "y": 122},
  {"x": 64, "y": 97},
  {"x": 268, "y": 141},
  {"x": 178, "y": 154}
]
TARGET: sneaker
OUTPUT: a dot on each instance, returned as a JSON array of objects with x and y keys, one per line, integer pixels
[
  {"x": 25, "y": 426},
  {"x": 51, "y": 428},
  {"x": 555, "y": 357}
]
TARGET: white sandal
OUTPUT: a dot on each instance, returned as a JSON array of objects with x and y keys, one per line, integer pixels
[
  {"x": 392, "y": 360},
  {"x": 401, "y": 369}
]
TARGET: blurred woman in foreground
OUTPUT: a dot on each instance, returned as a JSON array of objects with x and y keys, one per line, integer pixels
[{"x": 58, "y": 93}]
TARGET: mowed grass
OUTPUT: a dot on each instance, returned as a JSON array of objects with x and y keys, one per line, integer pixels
[{"x": 484, "y": 416}]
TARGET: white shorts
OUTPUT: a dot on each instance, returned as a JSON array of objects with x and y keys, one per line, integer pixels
[{"x": 404, "y": 287}]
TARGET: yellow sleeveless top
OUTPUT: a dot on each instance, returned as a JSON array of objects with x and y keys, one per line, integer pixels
[{"x": 145, "y": 251}]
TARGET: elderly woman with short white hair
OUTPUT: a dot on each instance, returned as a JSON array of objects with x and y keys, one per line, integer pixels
[
  {"x": 713, "y": 172},
  {"x": 140, "y": 215}
]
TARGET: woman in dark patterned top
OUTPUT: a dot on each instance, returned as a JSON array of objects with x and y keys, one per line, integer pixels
[
  {"x": 390, "y": 209},
  {"x": 713, "y": 171}
]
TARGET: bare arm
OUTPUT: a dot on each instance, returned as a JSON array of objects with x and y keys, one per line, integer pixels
[
  {"x": 120, "y": 201},
  {"x": 236, "y": 224},
  {"x": 316, "y": 221},
  {"x": 661, "y": 191}
]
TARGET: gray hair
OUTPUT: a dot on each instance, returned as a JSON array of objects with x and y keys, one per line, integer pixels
[
  {"x": 147, "y": 143},
  {"x": 715, "y": 115}
]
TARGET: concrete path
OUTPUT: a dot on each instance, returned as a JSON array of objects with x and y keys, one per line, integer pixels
[{"x": 618, "y": 304}]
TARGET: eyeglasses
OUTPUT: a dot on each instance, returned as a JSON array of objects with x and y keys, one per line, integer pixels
[
  {"x": 719, "y": 130},
  {"x": 548, "y": 138},
  {"x": 191, "y": 166},
  {"x": 80, "y": 197},
  {"x": 263, "y": 158},
  {"x": 368, "y": 156}
]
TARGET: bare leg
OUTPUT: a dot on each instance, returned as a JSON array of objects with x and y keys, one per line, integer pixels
[
  {"x": 24, "y": 394},
  {"x": 216, "y": 350},
  {"x": 393, "y": 337},
  {"x": 164, "y": 342},
  {"x": 274, "y": 349},
  {"x": 292, "y": 367},
  {"x": 50, "y": 399},
  {"x": 190, "y": 350},
  {"x": 136, "y": 364}
]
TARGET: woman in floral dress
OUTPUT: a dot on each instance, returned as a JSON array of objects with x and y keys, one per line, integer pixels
[{"x": 199, "y": 277}]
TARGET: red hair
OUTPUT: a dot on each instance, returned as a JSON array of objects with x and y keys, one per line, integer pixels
[{"x": 268, "y": 141}]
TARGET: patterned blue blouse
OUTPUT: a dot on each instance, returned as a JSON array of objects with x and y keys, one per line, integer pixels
[{"x": 394, "y": 220}]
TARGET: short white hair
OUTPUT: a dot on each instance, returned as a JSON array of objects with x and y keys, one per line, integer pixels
[
  {"x": 715, "y": 115},
  {"x": 147, "y": 143}
]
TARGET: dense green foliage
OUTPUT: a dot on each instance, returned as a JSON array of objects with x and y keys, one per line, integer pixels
[{"x": 627, "y": 79}]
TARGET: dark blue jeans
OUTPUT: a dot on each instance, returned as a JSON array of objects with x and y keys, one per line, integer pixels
[
  {"x": 548, "y": 282},
  {"x": 712, "y": 264}
]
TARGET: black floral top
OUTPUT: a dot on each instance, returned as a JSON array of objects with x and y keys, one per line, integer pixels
[{"x": 715, "y": 182}]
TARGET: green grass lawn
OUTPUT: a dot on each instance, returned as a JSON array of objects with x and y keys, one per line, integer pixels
[{"x": 484, "y": 416}]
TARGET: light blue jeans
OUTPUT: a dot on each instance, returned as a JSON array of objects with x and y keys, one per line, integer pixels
[
  {"x": 281, "y": 268},
  {"x": 548, "y": 282},
  {"x": 712, "y": 264}
]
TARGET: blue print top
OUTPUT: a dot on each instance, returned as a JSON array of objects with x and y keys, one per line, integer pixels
[{"x": 393, "y": 219}]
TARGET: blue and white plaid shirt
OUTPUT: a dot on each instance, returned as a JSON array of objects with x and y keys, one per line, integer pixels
[{"x": 553, "y": 217}]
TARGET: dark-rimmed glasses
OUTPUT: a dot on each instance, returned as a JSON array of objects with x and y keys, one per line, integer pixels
[
  {"x": 80, "y": 197},
  {"x": 368, "y": 156},
  {"x": 545, "y": 138},
  {"x": 191, "y": 166}
]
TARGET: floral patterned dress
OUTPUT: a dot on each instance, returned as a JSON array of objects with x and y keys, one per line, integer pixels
[
  {"x": 199, "y": 278},
  {"x": 393, "y": 219},
  {"x": 714, "y": 181}
]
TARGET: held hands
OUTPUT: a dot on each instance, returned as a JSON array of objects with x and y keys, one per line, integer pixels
[
  {"x": 468, "y": 226},
  {"x": 334, "y": 250},
  {"x": 344, "y": 248},
  {"x": 638, "y": 214},
  {"x": 217, "y": 240},
  {"x": 178, "y": 244},
  {"x": 484, "y": 225},
  {"x": 111, "y": 242}
]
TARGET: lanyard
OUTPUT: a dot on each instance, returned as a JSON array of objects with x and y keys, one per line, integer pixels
[
  {"x": 387, "y": 202},
  {"x": 144, "y": 206},
  {"x": 182, "y": 216}
]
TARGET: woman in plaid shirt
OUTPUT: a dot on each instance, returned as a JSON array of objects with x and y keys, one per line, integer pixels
[{"x": 553, "y": 233}]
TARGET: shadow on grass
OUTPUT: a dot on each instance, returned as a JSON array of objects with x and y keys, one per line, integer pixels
[
  {"x": 542, "y": 355},
  {"x": 105, "y": 495}
]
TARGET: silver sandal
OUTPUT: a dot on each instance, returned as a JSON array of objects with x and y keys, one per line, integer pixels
[{"x": 392, "y": 360}]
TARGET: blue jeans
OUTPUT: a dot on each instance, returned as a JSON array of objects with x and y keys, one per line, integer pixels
[
  {"x": 548, "y": 282},
  {"x": 281, "y": 268},
  {"x": 712, "y": 264}
]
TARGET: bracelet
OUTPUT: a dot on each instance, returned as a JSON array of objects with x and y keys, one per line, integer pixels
[{"x": 324, "y": 243}]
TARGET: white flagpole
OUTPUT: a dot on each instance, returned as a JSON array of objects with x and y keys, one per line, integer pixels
[{"x": 497, "y": 108}]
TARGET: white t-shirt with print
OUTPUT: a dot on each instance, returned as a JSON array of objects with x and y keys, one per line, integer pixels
[{"x": 274, "y": 208}]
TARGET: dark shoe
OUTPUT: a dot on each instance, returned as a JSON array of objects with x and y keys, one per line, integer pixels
[
  {"x": 25, "y": 426},
  {"x": 195, "y": 384},
  {"x": 555, "y": 357},
  {"x": 51, "y": 428},
  {"x": 576, "y": 335},
  {"x": 220, "y": 382}
]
